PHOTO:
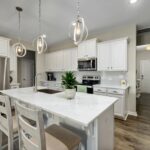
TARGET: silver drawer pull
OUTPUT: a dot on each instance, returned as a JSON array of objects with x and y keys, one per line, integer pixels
[
  {"x": 99, "y": 90},
  {"x": 115, "y": 92}
]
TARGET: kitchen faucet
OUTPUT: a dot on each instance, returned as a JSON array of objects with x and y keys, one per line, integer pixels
[{"x": 36, "y": 81}]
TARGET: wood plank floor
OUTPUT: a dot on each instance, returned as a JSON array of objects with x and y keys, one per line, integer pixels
[{"x": 134, "y": 134}]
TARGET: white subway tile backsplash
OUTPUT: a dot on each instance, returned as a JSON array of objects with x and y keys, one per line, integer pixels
[{"x": 106, "y": 77}]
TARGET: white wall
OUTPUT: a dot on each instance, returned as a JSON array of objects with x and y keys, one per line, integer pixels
[{"x": 114, "y": 33}]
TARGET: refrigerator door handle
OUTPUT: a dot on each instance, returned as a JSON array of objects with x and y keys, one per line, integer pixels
[{"x": 5, "y": 70}]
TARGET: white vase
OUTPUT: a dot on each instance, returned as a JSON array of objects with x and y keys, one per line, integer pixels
[{"x": 70, "y": 93}]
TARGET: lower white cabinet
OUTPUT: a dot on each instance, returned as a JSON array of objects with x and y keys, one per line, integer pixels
[
  {"x": 120, "y": 107},
  {"x": 62, "y": 60}
]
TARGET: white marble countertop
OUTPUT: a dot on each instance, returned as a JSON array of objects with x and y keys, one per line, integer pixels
[
  {"x": 83, "y": 109},
  {"x": 124, "y": 87}
]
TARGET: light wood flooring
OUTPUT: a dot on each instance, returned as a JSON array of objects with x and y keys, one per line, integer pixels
[{"x": 134, "y": 134}]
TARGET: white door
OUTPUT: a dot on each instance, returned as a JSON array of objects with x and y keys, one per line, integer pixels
[
  {"x": 119, "y": 55},
  {"x": 145, "y": 76},
  {"x": 104, "y": 57},
  {"x": 27, "y": 73}
]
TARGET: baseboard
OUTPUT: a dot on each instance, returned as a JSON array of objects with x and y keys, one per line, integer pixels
[{"x": 132, "y": 113}]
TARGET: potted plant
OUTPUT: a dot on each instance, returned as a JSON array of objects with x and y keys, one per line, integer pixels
[{"x": 69, "y": 82}]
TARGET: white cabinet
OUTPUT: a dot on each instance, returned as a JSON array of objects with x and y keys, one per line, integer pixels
[
  {"x": 4, "y": 47},
  {"x": 120, "y": 107},
  {"x": 13, "y": 60},
  {"x": 112, "y": 55},
  {"x": 62, "y": 60},
  {"x": 54, "y": 61},
  {"x": 70, "y": 59},
  {"x": 87, "y": 49},
  {"x": 103, "y": 57}
]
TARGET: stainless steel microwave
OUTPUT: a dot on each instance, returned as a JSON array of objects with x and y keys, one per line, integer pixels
[{"x": 89, "y": 64}]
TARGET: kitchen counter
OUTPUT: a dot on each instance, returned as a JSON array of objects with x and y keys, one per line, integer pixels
[
  {"x": 88, "y": 113},
  {"x": 111, "y": 86},
  {"x": 83, "y": 109}
]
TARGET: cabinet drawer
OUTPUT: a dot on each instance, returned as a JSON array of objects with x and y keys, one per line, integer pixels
[
  {"x": 100, "y": 93},
  {"x": 100, "y": 90},
  {"x": 115, "y": 91}
]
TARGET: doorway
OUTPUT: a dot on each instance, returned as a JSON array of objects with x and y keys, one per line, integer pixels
[
  {"x": 26, "y": 69},
  {"x": 145, "y": 76},
  {"x": 143, "y": 83}
]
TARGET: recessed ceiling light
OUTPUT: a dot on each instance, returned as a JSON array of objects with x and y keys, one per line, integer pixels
[{"x": 133, "y": 1}]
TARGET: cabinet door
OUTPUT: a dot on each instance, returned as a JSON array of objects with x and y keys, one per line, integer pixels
[
  {"x": 119, "y": 105},
  {"x": 70, "y": 59},
  {"x": 13, "y": 59},
  {"x": 91, "y": 48},
  {"x": 81, "y": 50},
  {"x": 3, "y": 47},
  {"x": 104, "y": 57},
  {"x": 119, "y": 55},
  {"x": 67, "y": 60},
  {"x": 47, "y": 58},
  {"x": 87, "y": 49},
  {"x": 59, "y": 60},
  {"x": 74, "y": 59}
]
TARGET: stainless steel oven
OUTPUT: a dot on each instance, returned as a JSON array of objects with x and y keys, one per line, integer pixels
[{"x": 87, "y": 64}]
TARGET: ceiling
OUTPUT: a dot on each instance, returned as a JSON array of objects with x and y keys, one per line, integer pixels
[{"x": 58, "y": 14}]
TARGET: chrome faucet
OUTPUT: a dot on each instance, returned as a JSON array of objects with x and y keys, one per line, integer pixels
[{"x": 36, "y": 82}]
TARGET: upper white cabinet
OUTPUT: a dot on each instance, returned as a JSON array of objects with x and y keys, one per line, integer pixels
[
  {"x": 4, "y": 47},
  {"x": 87, "y": 49},
  {"x": 112, "y": 55},
  {"x": 13, "y": 59},
  {"x": 70, "y": 59},
  {"x": 54, "y": 61},
  {"x": 62, "y": 60}
]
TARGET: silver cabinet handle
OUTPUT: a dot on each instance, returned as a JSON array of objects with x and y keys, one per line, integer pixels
[{"x": 115, "y": 92}]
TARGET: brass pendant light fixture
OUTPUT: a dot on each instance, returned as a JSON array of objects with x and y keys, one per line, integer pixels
[
  {"x": 78, "y": 30},
  {"x": 40, "y": 42},
  {"x": 19, "y": 47}
]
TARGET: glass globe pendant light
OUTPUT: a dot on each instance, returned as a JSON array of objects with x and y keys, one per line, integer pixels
[
  {"x": 40, "y": 42},
  {"x": 19, "y": 47},
  {"x": 78, "y": 30}
]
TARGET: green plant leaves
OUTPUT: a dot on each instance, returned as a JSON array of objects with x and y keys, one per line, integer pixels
[{"x": 69, "y": 80}]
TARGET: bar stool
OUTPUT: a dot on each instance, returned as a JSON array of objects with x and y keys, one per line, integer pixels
[
  {"x": 8, "y": 123},
  {"x": 34, "y": 137}
]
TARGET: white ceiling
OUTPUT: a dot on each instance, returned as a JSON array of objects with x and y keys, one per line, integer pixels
[{"x": 58, "y": 14}]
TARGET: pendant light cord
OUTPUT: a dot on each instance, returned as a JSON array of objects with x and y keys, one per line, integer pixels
[
  {"x": 39, "y": 17},
  {"x": 19, "y": 15},
  {"x": 78, "y": 8}
]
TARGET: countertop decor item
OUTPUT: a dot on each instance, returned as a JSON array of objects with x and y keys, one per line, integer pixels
[
  {"x": 19, "y": 47},
  {"x": 78, "y": 29},
  {"x": 69, "y": 82}
]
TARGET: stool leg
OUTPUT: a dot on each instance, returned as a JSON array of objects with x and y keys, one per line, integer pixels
[
  {"x": 1, "y": 134},
  {"x": 79, "y": 147},
  {"x": 10, "y": 143}
]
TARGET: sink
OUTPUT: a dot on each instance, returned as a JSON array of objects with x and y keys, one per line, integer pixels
[{"x": 49, "y": 91}]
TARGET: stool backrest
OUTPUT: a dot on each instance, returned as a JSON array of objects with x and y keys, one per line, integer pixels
[
  {"x": 6, "y": 121},
  {"x": 31, "y": 128}
]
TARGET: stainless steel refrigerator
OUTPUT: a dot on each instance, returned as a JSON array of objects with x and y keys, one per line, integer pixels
[{"x": 4, "y": 73}]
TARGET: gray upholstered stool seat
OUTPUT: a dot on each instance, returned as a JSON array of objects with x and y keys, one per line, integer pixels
[{"x": 68, "y": 138}]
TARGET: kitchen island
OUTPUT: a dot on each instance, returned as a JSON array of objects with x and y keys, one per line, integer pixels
[{"x": 93, "y": 114}]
